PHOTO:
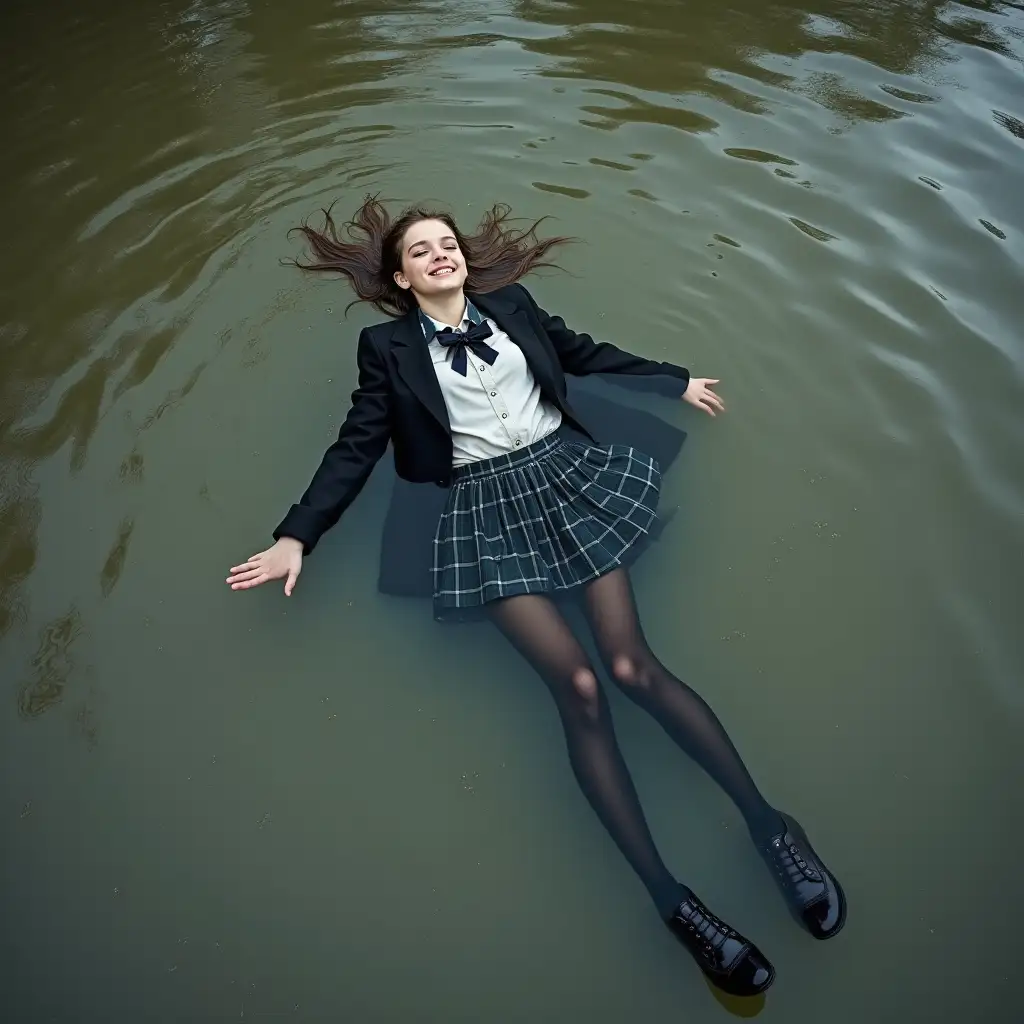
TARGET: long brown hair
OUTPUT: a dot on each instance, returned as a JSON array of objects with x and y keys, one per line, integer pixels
[{"x": 369, "y": 251}]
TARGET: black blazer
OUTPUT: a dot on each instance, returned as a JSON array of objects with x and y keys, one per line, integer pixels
[{"x": 398, "y": 399}]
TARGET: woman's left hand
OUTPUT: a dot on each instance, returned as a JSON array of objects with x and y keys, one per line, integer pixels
[{"x": 698, "y": 392}]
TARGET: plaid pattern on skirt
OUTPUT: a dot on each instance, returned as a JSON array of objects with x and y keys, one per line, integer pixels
[{"x": 549, "y": 517}]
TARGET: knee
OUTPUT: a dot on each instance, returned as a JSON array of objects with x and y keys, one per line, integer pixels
[
  {"x": 632, "y": 672},
  {"x": 584, "y": 684},
  {"x": 585, "y": 695}
]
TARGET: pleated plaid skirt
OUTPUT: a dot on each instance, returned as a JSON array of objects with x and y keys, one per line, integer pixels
[{"x": 541, "y": 520}]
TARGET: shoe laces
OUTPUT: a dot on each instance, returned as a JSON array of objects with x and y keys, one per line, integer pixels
[
  {"x": 792, "y": 861},
  {"x": 705, "y": 927}
]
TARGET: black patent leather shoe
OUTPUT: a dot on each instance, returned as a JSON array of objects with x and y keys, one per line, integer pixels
[
  {"x": 812, "y": 893},
  {"x": 731, "y": 962}
]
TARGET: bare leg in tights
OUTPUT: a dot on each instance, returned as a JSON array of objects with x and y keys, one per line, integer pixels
[
  {"x": 680, "y": 711},
  {"x": 541, "y": 634}
]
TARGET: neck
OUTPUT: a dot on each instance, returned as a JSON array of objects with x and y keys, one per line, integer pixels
[{"x": 446, "y": 309}]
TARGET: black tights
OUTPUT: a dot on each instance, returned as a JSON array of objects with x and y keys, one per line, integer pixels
[{"x": 540, "y": 633}]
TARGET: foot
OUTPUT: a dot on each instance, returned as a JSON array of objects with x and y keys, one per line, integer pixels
[
  {"x": 731, "y": 962},
  {"x": 814, "y": 896}
]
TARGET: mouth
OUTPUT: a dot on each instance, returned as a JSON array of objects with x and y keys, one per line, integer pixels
[{"x": 441, "y": 272}]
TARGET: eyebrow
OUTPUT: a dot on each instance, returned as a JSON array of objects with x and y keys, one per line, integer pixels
[{"x": 423, "y": 241}]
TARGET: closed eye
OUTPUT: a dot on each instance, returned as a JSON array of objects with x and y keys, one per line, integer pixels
[{"x": 426, "y": 252}]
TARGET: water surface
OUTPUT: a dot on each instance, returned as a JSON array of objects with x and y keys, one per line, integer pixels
[{"x": 219, "y": 806}]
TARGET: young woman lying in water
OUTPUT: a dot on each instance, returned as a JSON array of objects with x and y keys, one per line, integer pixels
[{"x": 467, "y": 381}]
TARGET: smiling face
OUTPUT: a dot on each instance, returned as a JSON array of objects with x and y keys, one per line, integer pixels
[{"x": 432, "y": 263}]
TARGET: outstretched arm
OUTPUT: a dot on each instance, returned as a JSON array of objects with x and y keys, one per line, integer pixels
[
  {"x": 580, "y": 355},
  {"x": 347, "y": 464},
  {"x": 343, "y": 471}
]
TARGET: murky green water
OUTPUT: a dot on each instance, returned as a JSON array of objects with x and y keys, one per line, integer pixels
[{"x": 219, "y": 806}]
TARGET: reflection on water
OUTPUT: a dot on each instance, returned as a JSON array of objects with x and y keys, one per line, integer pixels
[{"x": 817, "y": 202}]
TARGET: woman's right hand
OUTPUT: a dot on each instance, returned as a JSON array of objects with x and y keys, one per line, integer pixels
[{"x": 283, "y": 559}]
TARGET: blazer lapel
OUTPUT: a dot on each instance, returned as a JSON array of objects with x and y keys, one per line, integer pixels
[
  {"x": 416, "y": 369},
  {"x": 413, "y": 359},
  {"x": 516, "y": 324}
]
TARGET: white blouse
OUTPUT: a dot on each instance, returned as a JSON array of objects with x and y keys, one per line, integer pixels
[{"x": 493, "y": 410}]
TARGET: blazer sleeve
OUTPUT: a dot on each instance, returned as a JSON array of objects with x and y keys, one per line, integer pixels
[
  {"x": 347, "y": 464},
  {"x": 580, "y": 355}
]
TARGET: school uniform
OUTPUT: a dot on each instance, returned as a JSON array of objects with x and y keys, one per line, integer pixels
[{"x": 535, "y": 504}]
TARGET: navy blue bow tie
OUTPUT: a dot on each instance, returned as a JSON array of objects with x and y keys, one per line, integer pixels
[{"x": 474, "y": 339}]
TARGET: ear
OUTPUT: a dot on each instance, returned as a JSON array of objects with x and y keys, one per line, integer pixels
[{"x": 402, "y": 281}]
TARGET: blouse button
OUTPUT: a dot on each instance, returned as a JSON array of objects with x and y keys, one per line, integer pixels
[
  {"x": 493, "y": 393},
  {"x": 481, "y": 366},
  {"x": 504, "y": 415},
  {"x": 518, "y": 443}
]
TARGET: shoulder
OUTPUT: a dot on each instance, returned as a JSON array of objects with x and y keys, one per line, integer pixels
[
  {"x": 381, "y": 332},
  {"x": 373, "y": 343},
  {"x": 512, "y": 295},
  {"x": 381, "y": 336},
  {"x": 518, "y": 293}
]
